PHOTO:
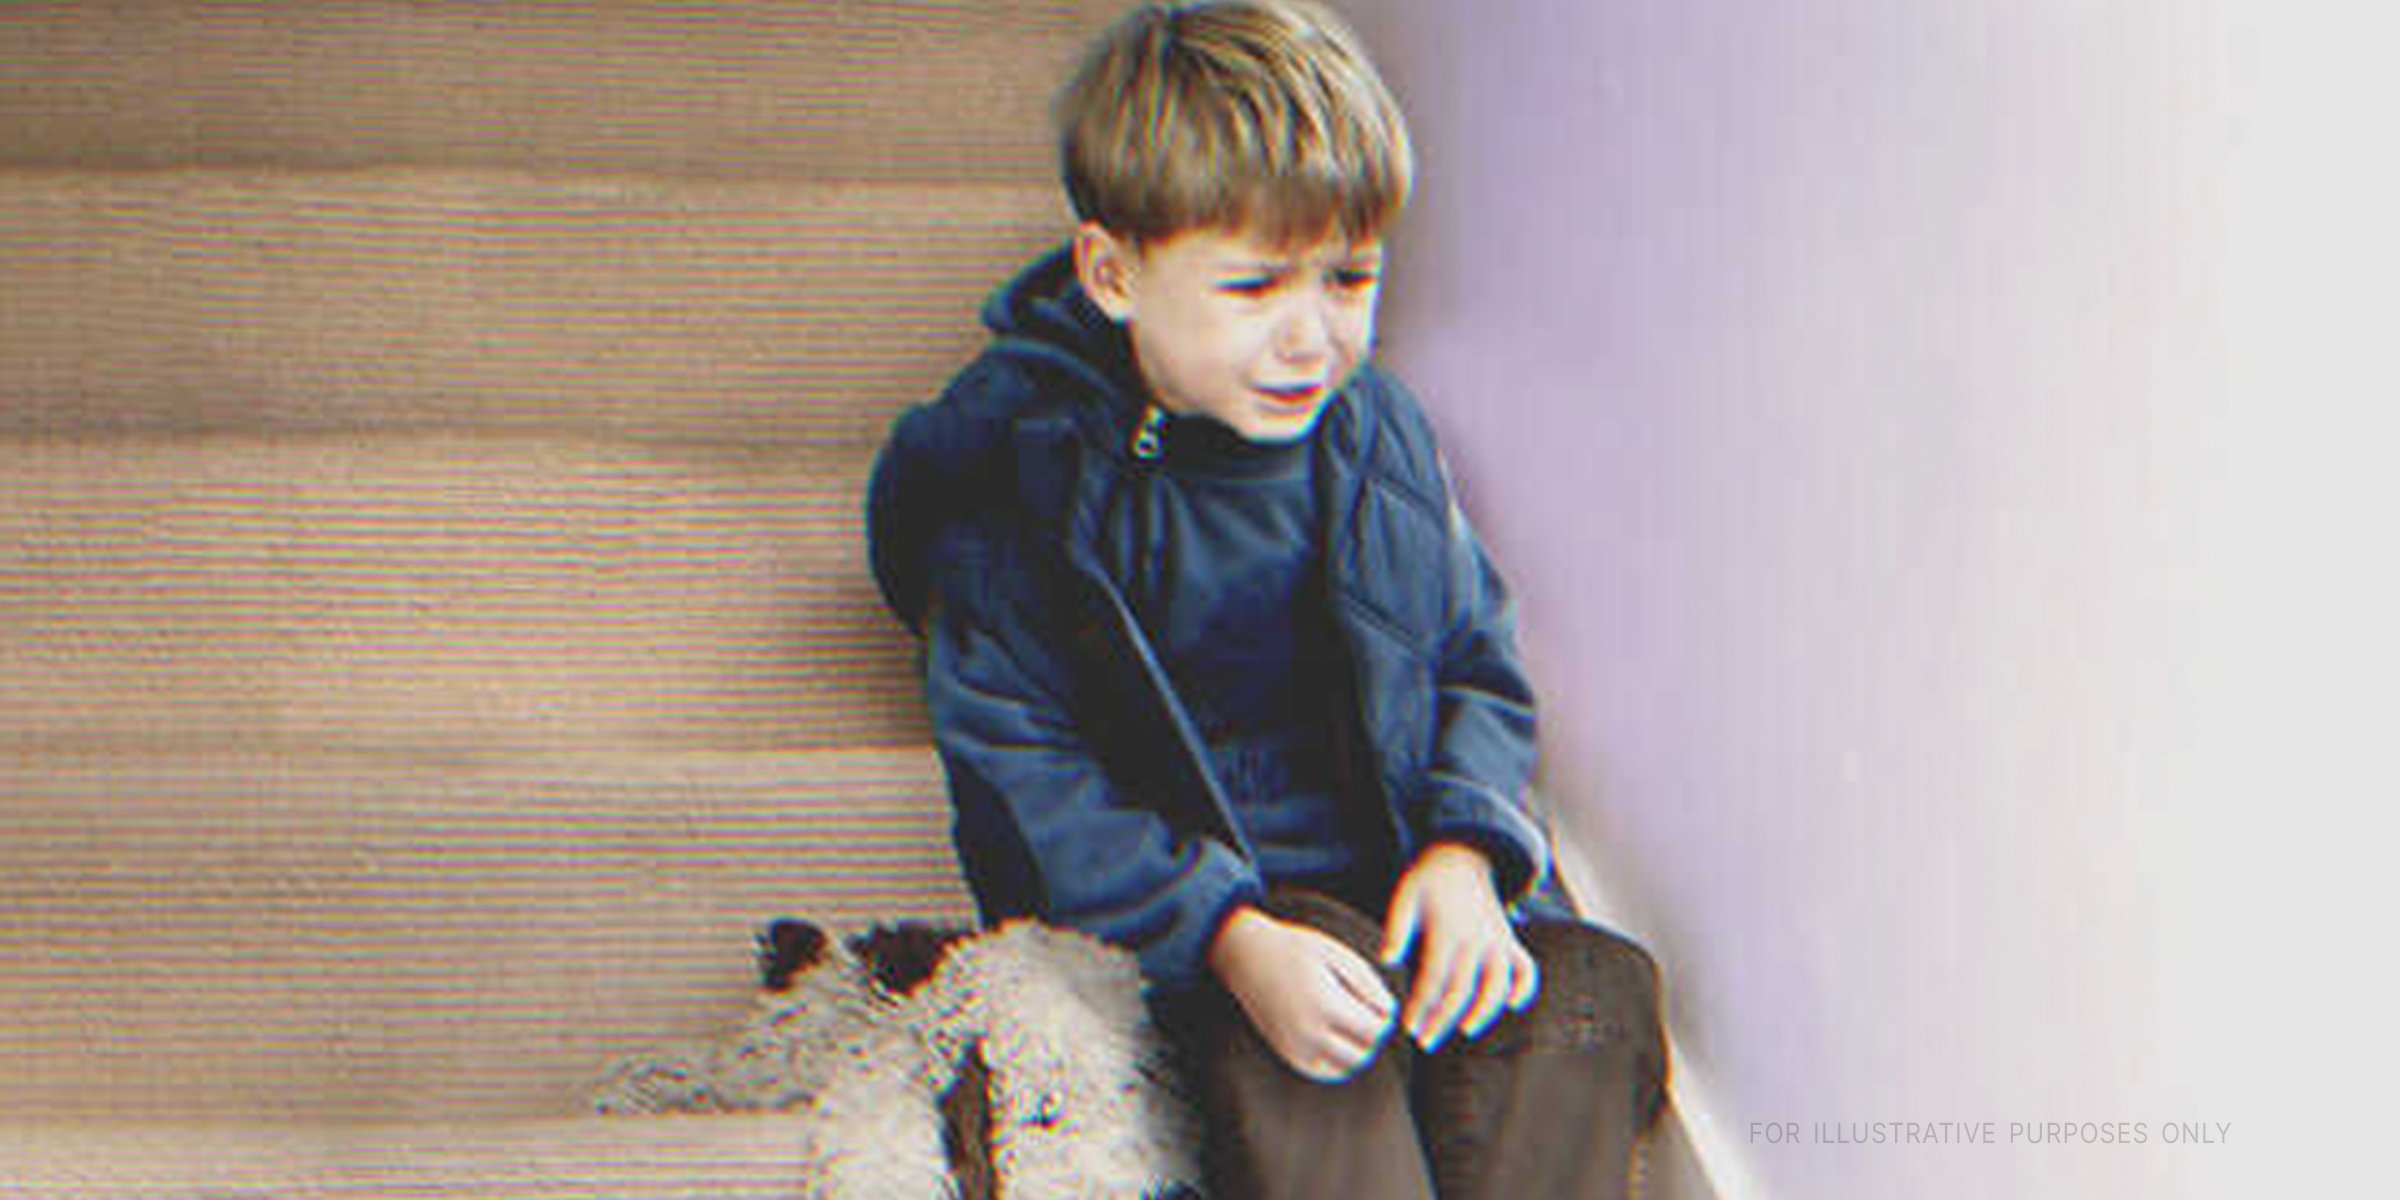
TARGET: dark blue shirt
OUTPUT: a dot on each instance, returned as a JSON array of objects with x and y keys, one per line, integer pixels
[{"x": 1218, "y": 546}]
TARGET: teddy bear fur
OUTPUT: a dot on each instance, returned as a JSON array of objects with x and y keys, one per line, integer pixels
[{"x": 927, "y": 1062}]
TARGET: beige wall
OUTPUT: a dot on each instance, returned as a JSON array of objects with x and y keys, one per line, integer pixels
[{"x": 1925, "y": 439}]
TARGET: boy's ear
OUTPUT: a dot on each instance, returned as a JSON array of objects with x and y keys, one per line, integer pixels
[{"x": 1105, "y": 265}]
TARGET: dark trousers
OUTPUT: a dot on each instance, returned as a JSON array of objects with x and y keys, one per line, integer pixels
[{"x": 1548, "y": 1103}]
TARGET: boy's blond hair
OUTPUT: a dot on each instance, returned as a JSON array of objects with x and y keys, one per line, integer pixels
[{"x": 1258, "y": 116}]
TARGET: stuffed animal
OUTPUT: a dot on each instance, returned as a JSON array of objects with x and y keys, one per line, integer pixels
[{"x": 927, "y": 1062}]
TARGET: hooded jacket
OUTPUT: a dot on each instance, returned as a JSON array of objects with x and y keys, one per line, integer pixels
[{"x": 1082, "y": 792}]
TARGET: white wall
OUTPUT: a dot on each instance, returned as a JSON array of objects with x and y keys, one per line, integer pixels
[{"x": 1942, "y": 450}]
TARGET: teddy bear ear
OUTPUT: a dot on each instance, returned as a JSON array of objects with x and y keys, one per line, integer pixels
[
  {"x": 787, "y": 947},
  {"x": 904, "y": 954}
]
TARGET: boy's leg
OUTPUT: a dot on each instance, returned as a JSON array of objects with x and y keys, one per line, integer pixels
[
  {"x": 1274, "y": 1134},
  {"x": 1551, "y": 1101}
]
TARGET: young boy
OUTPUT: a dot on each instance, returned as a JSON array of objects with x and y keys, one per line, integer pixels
[{"x": 1219, "y": 672}]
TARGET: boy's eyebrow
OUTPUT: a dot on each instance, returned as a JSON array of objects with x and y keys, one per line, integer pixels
[{"x": 1236, "y": 263}]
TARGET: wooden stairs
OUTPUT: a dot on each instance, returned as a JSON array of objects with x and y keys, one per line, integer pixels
[{"x": 434, "y": 628}]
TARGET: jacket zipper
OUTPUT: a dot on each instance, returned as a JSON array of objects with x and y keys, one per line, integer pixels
[{"x": 1147, "y": 442}]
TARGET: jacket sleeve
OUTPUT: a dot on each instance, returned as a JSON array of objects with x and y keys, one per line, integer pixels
[
  {"x": 1042, "y": 825},
  {"x": 1475, "y": 785}
]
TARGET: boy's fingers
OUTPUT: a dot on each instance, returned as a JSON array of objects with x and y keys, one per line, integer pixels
[
  {"x": 1333, "y": 1068},
  {"x": 1443, "y": 987},
  {"x": 1355, "y": 1032},
  {"x": 1462, "y": 987},
  {"x": 1529, "y": 983},
  {"x": 1319, "y": 1064},
  {"x": 1348, "y": 1055},
  {"x": 1360, "y": 980},
  {"x": 1349, "y": 1032},
  {"x": 1435, "y": 965},
  {"x": 1315, "y": 1046},
  {"x": 1491, "y": 995},
  {"x": 1400, "y": 927},
  {"x": 1344, "y": 1010}
]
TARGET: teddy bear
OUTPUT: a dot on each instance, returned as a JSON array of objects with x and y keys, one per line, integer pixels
[{"x": 928, "y": 1062}]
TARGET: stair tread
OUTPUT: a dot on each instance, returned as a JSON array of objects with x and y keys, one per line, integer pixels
[
  {"x": 387, "y": 933},
  {"x": 926, "y": 88},
  {"x": 642, "y": 308},
  {"x": 716, "y": 1156},
  {"x": 434, "y": 624},
  {"x": 531, "y": 591}
]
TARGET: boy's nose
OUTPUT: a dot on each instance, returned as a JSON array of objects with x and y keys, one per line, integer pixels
[{"x": 1304, "y": 333}]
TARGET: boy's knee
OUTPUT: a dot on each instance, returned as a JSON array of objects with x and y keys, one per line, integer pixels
[
  {"x": 1599, "y": 989},
  {"x": 1607, "y": 977}
]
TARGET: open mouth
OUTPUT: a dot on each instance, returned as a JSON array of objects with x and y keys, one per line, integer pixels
[{"x": 1294, "y": 398}]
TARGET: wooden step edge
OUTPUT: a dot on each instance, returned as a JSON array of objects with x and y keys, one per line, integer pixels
[
  {"x": 630, "y": 767},
  {"x": 845, "y": 456},
  {"x": 494, "y": 183}
]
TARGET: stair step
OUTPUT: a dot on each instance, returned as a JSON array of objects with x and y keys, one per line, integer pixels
[
  {"x": 716, "y": 1158},
  {"x": 441, "y": 590},
  {"x": 656, "y": 309},
  {"x": 913, "y": 89},
  {"x": 396, "y": 936}
]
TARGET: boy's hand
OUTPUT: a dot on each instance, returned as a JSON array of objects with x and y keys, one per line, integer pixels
[
  {"x": 1470, "y": 964},
  {"x": 1319, "y": 1004}
]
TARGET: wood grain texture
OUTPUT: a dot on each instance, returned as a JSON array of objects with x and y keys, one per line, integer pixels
[
  {"x": 210, "y": 301},
  {"x": 442, "y": 590},
  {"x": 381, "y": 936},
  {"x": 928, "y": 91},
  {"x": 434, "y": 624},
  {"x": 721, "y": 1158}
]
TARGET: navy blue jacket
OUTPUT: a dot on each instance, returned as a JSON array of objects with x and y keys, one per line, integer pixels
[{"x": 1082, "y": 792}]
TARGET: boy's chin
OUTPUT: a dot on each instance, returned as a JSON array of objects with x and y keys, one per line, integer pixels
[{"x": 1269, "y": 427}]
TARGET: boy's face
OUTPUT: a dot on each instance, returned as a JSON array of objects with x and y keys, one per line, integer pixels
[{"x": 1255, "y": 335}]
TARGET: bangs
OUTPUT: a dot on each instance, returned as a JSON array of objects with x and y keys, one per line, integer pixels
[{"x": 1261, "y": 119}]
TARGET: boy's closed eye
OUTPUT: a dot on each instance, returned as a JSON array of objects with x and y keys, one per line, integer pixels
[
  {"x": 1347, "y": 279},
  {"x": 1353, "y": 279},
  {"x": 1258, "y": 276}
]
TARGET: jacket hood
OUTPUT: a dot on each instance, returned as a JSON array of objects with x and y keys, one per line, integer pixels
[
  {"x": 1046, "y": 303},
  {"x": 1044, "y": 314},
  {"x": 1052, "y": 350}
]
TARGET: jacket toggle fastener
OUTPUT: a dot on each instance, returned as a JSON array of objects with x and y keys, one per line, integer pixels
[{"x": 1147, "y": 444}]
